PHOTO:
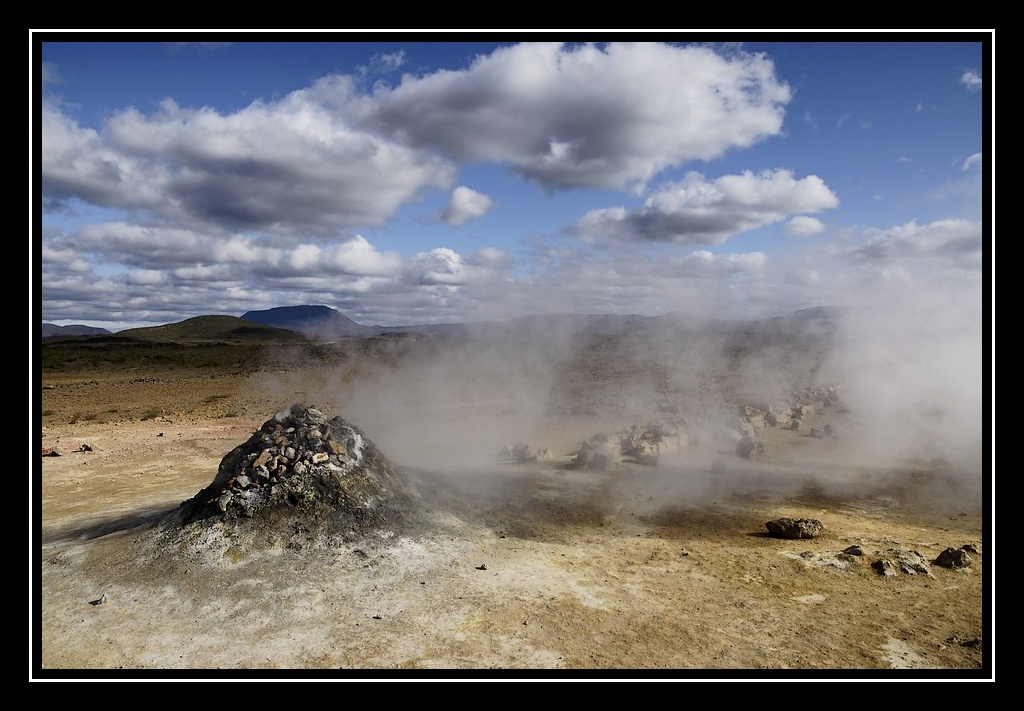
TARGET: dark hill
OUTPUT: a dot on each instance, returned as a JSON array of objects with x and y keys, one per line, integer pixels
[
  {"x": 313, "y": 321},
  {"x": 213, "y": 329},
  {"x": 51, "y": 329}
]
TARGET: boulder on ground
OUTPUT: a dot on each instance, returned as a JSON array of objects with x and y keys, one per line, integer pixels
[
  {"x": 794, "y": 527},
  {"x": 953, "y": 558}
]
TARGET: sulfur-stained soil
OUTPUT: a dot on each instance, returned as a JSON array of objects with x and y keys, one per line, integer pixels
[{"x": 531, "y": 568}]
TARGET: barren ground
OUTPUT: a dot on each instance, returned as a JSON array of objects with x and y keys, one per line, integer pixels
[{"x": 531, "y": 566}]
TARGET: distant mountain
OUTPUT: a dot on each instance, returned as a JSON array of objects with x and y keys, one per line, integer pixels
[
  {"x": 288, "y": 323},
  {"x": 51, "y": 329},
  {"x": 313, "y": 321},
  {"x": 212, "y": 329}
]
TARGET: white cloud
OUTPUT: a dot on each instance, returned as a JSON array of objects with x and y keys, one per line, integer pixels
[
  {"x": 142, "y": 246},
  {"x": 972, "y": 160},
  {"x": 389, "y": 62},
  {"x": 696, "y": 211},
  {"x": 292, "y": 168},
  {"x": 438, "y": 266},
  {"x": 466, "y": 205},
  {"x": 49, "y": 73},
  {"x": 358, "y": 257},
  {"x": 162, "y": 248},
  {"x": 705, "y": 264},
  {"x": 803, "y": 226},
  {"x": 955, "y": 241},
  {"x": 587, "y": 116},
  {"x": 971, "y": 79},
  {"x": 149, "y": 277},
  {"x": 327, "y": 159}
]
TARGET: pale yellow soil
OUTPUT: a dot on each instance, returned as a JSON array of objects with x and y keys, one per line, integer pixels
[{"x": 531, "y": 566}]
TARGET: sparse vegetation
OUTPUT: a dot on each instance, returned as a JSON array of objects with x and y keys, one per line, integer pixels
[{"x": 190, "y": 367}]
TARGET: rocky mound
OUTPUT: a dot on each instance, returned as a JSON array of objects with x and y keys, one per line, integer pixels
[{"x": 302, "y": 473}]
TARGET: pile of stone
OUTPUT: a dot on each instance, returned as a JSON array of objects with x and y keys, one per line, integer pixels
[
  {"x": 645, "y": 443},
  {"x": 303, "y": 468},
  {"x": 525, "y": 452},
  {"x": 739, "y": 432},
  {"x": 744, "y": 430}
]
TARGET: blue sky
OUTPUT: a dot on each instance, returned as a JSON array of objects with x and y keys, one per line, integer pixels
[{"x": 432, "y": 182}]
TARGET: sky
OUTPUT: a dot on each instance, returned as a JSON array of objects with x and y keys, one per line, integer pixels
[{"x": 418, "y": 182}]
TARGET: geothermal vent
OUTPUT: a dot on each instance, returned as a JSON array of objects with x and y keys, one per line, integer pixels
[{"x": 302, "y": 471}]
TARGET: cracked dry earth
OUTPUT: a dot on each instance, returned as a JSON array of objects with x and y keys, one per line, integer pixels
[{"x": 524, "y": 566}]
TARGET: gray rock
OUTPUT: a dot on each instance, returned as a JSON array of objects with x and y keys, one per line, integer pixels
[
  {"x": 795, "y": 527},
  {"x": 898, "y": 561},
  {"x": 747, "y": 446},
  {"x": 953, "y": 558}
]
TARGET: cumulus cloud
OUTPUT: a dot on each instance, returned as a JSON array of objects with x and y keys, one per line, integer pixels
[
  {"x": 698, "y": 211},
  {"x": 444, "y": 266},
  {"x": 292, "y": 167},
  {"x": 466, "y": 205},
  {"x": 971, "y": 79},
  {"x": 163, "y": 272},
  {"x": 149, "y": 277},
  {"x": 957, "y": 241},
  {"x": 587, "y": 116},
  {"x": 153, "y": 248},
  {"x": 143, "y": 246},
  {"x": 327, "y": 158},
  {"x": 803, "y": 226},
  {"x": 705, "y": 264},
  {"x": 358, "y": 257}
]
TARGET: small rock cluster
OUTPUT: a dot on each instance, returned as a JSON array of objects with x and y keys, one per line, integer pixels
[
  {"x": 644, "y": 443},
  {"x": 641, "y": 443},
  {"x": 755, "y": 416},
  {"x": 524, "y": 452},
  {"x": 895, "y": 561},
  {"x": 888, "y": 563}
]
